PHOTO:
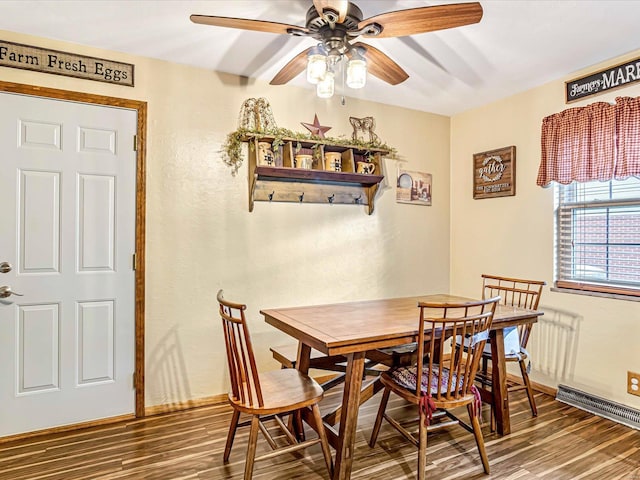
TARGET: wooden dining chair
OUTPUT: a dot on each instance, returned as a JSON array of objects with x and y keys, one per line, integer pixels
[
  {"x": 265, "y": 395},
  {"x": 521, "y": 293},
  {"x": 445, "y": 379}
]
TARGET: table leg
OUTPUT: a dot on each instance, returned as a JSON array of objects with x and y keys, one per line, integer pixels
[
  {"x": 349, "y": 416},
  {"x": 499, "y": 383}
]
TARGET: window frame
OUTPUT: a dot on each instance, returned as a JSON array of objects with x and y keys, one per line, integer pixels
[{"x": 567, "y": 204}]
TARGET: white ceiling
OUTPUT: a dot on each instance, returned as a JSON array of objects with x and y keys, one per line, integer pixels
[{"x": 518, "y": 44}]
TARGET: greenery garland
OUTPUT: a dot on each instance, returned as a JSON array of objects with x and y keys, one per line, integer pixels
[{"x": 232, "y": 146}]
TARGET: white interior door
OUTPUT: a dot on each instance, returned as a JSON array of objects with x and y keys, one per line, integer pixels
[{"x": 67, "y": 191}]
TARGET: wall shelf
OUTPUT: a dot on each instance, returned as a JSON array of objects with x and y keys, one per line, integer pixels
[{"x": 283, "y": 182}]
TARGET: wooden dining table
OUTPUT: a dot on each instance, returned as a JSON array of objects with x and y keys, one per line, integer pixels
[{"x": 353, "y": 328}]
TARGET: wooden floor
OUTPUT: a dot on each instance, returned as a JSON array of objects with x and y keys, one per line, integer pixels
[{"x": 561, "y": 443}]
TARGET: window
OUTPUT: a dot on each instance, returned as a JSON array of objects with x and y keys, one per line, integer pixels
[{"x": 598, "y": 236}]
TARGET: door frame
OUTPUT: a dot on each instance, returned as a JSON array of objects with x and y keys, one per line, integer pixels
[{"x": 141, "y": 149}]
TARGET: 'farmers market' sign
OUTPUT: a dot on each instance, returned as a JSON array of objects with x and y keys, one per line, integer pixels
[
  {"x": 614, "y": 77},
  {"x": 26, "y": 57}
]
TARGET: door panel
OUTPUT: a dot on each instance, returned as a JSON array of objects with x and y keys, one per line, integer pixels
[
  {"x": 96, "y": 206},
  {"x": 95, "y": 342},
  {"x": 38, "y": 362},
  {"x": 39, "y": 221},
  {"x": 67, "y": 186}
]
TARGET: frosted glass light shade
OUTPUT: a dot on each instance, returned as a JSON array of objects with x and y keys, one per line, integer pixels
[
  {"x": 356, "y": 73},
  {"x": 316, "y": 67},
  {"x": 324, "y": 88}
]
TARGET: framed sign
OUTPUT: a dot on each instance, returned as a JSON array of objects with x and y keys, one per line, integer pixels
[
  {"x": 494, "y": 173},
  {"x": 29, "y": 57},
  {"x": 414, "y": 188},
  {"x": 614, "y": 77}
]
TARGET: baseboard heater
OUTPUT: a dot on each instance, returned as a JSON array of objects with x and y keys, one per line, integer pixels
[{"x": 599, "y": 406}]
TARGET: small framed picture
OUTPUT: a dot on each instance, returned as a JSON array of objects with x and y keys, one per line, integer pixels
[
  {"x": 494, "y": 173},
  {"x": 413, "y": 187}
]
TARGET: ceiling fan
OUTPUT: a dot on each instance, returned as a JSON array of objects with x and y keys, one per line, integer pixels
[{"x": 337, "y": 23}]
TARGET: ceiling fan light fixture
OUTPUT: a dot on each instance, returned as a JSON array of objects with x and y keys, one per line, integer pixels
[
  {"x": 336, "y": 23},
  {"x": 325, "y": 87},
  {"x": 316, "y": 65},
  {"x": 357, "y": 72}
]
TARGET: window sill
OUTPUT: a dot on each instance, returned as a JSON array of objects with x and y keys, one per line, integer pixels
[{"x": 590, "y": 293}]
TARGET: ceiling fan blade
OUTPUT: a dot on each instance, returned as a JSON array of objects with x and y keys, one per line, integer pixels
[
  {"x": 341, "y": 7},
  {"x": 381, "y": 66},
  {"x": 424, "y": 19},
  {"x": 247, "y": 24},
  {"x": 292, "y": 69}
]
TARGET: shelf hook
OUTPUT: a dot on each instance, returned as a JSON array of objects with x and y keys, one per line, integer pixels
[
  {"x": 331, "y": 198},
  {"x": 301, "y": 197},
  {"x": 357, "y": 199},
  {"x": 271, "y": 195}
]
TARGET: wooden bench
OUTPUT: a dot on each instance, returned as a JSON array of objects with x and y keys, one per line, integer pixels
[
  {"x": 286, "y": 355},
  {"x": 402, "y": 355}
]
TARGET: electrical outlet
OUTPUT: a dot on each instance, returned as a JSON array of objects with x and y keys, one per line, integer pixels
[{"x": 633, "y": 383}]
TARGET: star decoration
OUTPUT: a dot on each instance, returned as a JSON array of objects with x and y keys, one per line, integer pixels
[{"x": 315, "y": 128}]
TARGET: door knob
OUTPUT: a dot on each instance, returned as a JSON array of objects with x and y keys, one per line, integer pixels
[
  {"x": 5, "y": 291},
  {"x": 5, "y": 267}
]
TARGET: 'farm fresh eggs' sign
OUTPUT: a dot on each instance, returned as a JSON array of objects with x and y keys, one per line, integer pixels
[
  {"x": 26, "y": 57},
  {"x": 614, "y": 77}
]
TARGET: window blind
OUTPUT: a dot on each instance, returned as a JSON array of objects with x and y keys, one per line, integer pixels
[{"x": 598, "y": 236}]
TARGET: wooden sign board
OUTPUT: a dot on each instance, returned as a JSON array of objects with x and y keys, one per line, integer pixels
[
  {"x": 494, "y": 173},
  {"x": 27, "y": 57},
  {"x": 614, "y": 77}
]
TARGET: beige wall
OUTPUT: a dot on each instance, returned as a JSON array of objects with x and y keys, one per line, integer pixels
[
  {"x": 582, "y": 341},
  {"x": 201, "y": 237}
]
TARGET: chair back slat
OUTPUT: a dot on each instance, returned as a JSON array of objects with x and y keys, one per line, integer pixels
[
  {"x": 450, "y": 371},
  {"x": 243, "y": 373},
  {"x": 515, "y": 292}
]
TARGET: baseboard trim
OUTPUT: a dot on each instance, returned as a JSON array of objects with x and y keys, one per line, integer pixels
[
  {"x": 148, "y": 412},
  {"x": 68, "y": 428},
  {"x": 222, "y": 399},
  {"x": 205, "y": 401},
  {"x": 213, "y": 400},
  {"x": 186, "y": 405}
]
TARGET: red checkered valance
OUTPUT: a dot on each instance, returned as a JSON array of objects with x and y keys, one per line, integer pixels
[
  {"x": 597, "y": 142},
  {"x": 627, "y": 137}
]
